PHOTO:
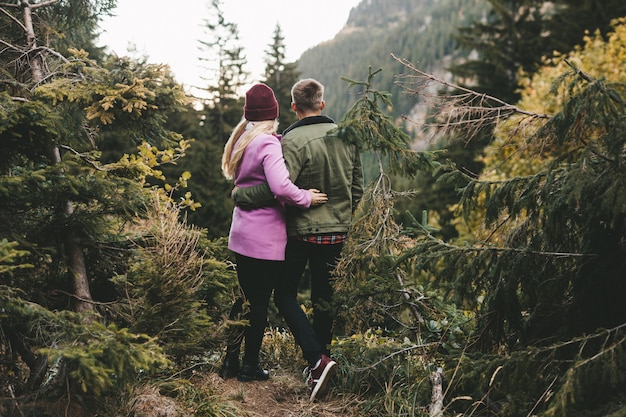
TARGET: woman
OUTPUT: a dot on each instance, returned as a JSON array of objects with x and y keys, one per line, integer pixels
[{"x": 258, "y": 237}]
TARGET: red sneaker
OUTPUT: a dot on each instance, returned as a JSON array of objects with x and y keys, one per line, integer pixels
[{"x": 319, "y": 377}]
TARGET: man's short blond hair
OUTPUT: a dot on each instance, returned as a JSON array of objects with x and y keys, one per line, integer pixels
[{"x": 307, "y": 95}]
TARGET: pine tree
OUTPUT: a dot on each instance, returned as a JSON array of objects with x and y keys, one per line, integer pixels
[
  {"x": 380, "y": 292},
  {"x": 538, "y": 267},
  {"x": 540, "y": 264},
  {"x": 221, "y": 110},
  {"x": 67, "y": 211},
  {"x": 281, "y": 76},
  {"x": 224, "y": 64}
]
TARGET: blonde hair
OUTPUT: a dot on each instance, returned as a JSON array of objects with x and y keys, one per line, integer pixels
[{"x": 239, "y": 140}]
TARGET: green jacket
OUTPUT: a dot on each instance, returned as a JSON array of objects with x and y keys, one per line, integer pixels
[{"x": 316, "y": 159}]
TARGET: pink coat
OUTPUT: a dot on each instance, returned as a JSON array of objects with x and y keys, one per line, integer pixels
[{"x": 261, "y": 233}]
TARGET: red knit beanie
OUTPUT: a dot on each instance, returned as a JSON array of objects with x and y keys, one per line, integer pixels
[{"x": 260, "y": 104}]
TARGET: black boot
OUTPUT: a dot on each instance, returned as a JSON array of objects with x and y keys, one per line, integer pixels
[
  {"x": 230, "y": 367},
  {"x": 253, "y": 373}
]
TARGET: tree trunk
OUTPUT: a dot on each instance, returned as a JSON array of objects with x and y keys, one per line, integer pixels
[
  {"x": 73, "y": 247},
  {"x": 76, "y": 261},
  {"x": 37, "y": 364}
]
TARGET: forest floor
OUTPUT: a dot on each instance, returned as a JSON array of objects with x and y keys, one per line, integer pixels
[{"x": 284, "y": 395}]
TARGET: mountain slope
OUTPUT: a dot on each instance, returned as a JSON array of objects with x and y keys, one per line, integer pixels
[{"x": 417, "y": 30}]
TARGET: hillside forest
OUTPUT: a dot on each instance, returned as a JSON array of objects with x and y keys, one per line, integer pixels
[{"x": 485, "y": 271}]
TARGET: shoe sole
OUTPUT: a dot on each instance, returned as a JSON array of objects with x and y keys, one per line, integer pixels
[{"x": 320, "y": 386}]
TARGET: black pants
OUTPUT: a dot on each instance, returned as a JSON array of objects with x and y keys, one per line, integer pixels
[
  {"x": 257, "y": 278},
  {"x": 322, "y": 259}
]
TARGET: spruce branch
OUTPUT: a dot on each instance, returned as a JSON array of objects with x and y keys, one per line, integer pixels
[
  {"x": 373, "y": 131},
  {"x": 578, "y": 71},
  {"x": 438, "y": 247}
]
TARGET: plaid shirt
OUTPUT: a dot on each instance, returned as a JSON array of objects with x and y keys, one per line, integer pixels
[{"x": 329, "y": 239}]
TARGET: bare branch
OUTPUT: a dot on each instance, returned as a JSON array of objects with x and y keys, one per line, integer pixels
[
  {"x": 44, "y": 4},
  {"x": 10, "y": 16},
  {"x": 53, "y": 52},
  {"x": 464, "y": 112},
  {"x": 424, "y": 346},
  {"x": 10, "y": 45},
  {"x": 85, "y": 158}
]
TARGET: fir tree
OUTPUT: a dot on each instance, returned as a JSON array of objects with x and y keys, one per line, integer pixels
[
  {"x": 573, "y": 18},
  {"x": 68, "y": 212},
  {"x": 281, "y": 76},
  {"x": 382, "y": 293},
  {"x": 221, "y": 110},
  {"x": 541, "y": 257},
  {"x": 225, "y": 75}
]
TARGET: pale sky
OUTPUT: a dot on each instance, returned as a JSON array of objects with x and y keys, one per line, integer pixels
[{"x": 168, "y": 31}]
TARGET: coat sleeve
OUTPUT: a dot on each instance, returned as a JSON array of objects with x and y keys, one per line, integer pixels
[
  {"x": 248, "y": 198},
  {"x": 277, "y": 176}
]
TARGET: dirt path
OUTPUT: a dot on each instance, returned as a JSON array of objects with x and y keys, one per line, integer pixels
[{"x": 284, "y": 395}]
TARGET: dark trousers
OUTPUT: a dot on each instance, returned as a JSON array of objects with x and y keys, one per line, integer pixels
[
  {"x": 257, "y": 278},
  {"x": 322, "y": 259}
]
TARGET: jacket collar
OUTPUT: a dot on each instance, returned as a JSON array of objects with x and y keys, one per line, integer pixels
[{"x": 313, "y": 120}]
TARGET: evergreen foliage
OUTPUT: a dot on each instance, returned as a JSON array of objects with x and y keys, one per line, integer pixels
[
  {"x": 381, "y": 369},
  {"x": 74, "y": 24},
  {"x": 91, "y": 358},
  {"x": 163, "y": 283},
  {"x": 70, "y": 220},
  {"x": 373, "y": 290},
  {"x": 9, "y": 256},
  {"x": 504, "y": 46},
  {"x": 281, "y": 76},
  {"x": 520, "y": 303},
  {"x": 224, "y": 61},
  {"x": 541, "y": 263},
  {"x": 575, "y": 18},
  {"x": 516, "y": 35},
  {"x": 206, "y": 183},
  {"x": 532, "y": 217}
]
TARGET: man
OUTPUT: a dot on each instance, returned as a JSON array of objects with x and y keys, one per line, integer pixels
[{"x": 315, "y": 158}]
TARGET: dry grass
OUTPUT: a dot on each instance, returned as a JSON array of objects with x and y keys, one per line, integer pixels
[
  {"x": 148, "y": 402},
  {"x": 284, "y": 395}
]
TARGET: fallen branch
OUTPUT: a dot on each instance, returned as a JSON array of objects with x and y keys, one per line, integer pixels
[{"x": 436, "y": 402}]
